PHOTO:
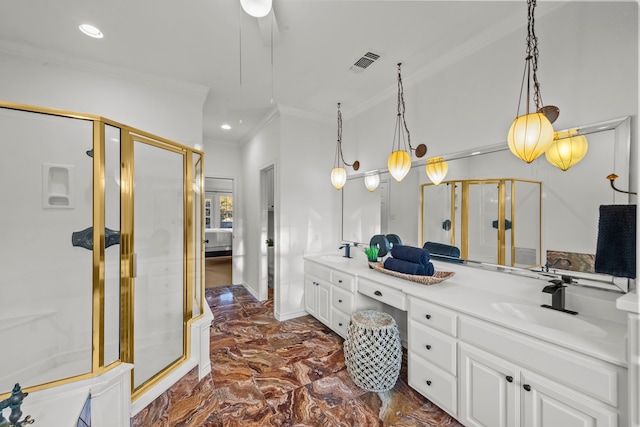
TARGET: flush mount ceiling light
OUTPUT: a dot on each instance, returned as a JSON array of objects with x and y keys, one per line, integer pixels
[
  {"x": 256, "y": 8},
  {"x": 567, "y": 149},
  {"x": 399, "y": 161},
  {"x": 339, "y": 174},
  {"x": 531, "y": 134},
  {"x": 436, "y": 169},
  {"x": 91, "y": 31},
  {"x": 371, "y": 180},
  {"x": 225, "y": 127}
]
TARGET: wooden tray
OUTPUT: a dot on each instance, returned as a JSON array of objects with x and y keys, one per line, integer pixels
[{"x": 438, "y": 276}]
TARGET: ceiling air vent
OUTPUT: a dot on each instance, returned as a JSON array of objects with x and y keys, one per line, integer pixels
[{"x": 364, "y": 61}]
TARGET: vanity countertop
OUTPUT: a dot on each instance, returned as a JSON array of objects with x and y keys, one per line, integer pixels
[
  {"x": 492, "y": 296},
  {"x": 629, "y": 302}
]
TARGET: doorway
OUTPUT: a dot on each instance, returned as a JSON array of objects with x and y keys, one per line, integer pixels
[
  {"x": 267, "y": 264},
  {"x": 218, "y": 231}
]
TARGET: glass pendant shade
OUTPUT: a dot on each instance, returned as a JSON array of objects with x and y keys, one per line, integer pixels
[
  {"x": 256, "y": 8},
  {"x": 399, "y": 164},
  {"x": 530, "y": 135},
  {"x": 371, "y": 181},
  {"x": 338, "y": 177},
  {"x": 437, "y": 169},
  {"x": 567, "y": 150}
]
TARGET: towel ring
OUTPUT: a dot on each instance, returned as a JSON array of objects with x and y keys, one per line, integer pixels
[{"x": 612, "y": 178}]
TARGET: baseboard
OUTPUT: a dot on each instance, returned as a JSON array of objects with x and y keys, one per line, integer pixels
[{"x": 288, "y": 316}]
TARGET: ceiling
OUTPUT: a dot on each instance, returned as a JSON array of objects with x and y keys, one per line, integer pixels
[{"x": 304, "y": 66}]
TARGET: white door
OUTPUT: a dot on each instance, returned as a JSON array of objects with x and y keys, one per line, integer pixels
[
  {"x": 549, "y": 404},
  {"x": 488, "y": 396}
]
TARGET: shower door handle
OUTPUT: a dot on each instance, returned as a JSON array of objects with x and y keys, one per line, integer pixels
[{"x": 134, "y": 265}]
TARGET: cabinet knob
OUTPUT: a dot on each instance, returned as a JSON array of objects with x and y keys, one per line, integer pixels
[
  {"x": 339, "y": 300},
  {"x": 339, "y": 280},
  {"x": 378, "y": 293},
  {"x": 509, "y": 379},
  {"x": 428, "y": 346},
  {"x": 428, "y": 382},
  {"x": 340, "y": 324},
  {"x": 526, "y": 387},
  {"x": 428, "y": 316}
]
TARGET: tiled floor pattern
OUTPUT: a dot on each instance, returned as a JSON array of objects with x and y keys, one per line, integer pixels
[{"x": 271, "y": 373}]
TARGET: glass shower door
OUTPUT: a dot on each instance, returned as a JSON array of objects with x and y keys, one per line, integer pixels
[
  {"x": 483, "y": 221},
  {"x": 159, "y": 245}
]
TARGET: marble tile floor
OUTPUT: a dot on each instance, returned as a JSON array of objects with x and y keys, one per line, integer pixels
[{"x": 271, "y": 373}]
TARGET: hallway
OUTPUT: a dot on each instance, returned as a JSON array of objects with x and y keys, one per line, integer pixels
[{"x": 271, "y": 373}]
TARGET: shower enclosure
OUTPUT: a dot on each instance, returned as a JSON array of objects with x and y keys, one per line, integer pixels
[{"x": 101, "y": 249}]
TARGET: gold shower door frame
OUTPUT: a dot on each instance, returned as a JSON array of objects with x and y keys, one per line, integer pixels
[
  {"x": 192, "y": 244},
  {"x": 463, "y": 227}
]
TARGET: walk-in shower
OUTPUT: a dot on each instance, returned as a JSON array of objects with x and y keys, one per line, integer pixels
[{"x": 100, "y": 247}]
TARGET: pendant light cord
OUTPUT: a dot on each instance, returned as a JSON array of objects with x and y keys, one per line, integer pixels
[{"x": 339, "y": 158}]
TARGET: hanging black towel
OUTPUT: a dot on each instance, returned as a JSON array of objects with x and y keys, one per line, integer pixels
[{"x": 616, "y": 247}]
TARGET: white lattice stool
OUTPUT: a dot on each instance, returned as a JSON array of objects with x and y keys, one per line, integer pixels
[{"x": 372, "y": 350}]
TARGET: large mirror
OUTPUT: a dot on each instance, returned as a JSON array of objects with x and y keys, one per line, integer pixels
[{"x": 569, "y": 202}]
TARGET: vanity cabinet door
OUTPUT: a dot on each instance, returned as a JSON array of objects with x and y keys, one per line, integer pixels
[
  {"x": 323, "y": 312},
  {"x": 317, "y": 300},
  {"x": 549, "y": 404},
  {"x": 310, "y": 294},
  {"x": 488, "y": 390}
]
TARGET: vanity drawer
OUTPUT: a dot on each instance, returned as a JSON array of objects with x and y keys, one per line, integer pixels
[
  {"x": 595, "y": 379},
  {"x": 342, "y": 300},
  {"x": 433, "y": 346},
  {"x": 345, "y": 281},
  {"x": 317, "y": 270},
  {"x": 433, "y": 316},
  {"x": 385, "y": 294},
  {"x": 433, "y": 383},
  {"x": 340, "y": 322}
]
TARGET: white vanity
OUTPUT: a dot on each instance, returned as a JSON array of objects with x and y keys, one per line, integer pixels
[{"x": 481, "y": 347}]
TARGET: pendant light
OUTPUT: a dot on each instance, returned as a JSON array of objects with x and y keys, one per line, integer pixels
[
  {"x": 256, "y": 8},
  {"x": 339, "y": 174},
  {"x": 567, "y": 149},
  {"x": 437, "y": 169},
  {"x": 399, "y": 161},
  {"x": 531, "y": 134},
  {"x": 371, "y": 180}
]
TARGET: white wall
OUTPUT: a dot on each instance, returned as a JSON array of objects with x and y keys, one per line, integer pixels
[
  {"x": 172, "y": 111},
  {"x": 588, "y": 68},
  {"x": 306, "y": 202},
  {"x": 258, "y": 153}
]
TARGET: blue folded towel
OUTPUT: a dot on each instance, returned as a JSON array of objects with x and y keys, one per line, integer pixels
[
  {"x": 616, "y": 245},
  {"x": 405, "y": 267},
  {"x": 429, "y": 269},
  {"x": 443, "y": 252},
  {"x": 411, "y": 254}
]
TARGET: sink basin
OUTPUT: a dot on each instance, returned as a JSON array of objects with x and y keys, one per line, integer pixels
[
  {"x": 549, "y": 319},
  {"x": 335, "y": 259}
]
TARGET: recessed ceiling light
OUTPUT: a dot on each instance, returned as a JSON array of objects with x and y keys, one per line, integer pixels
[
  {"x": 91, "y": 31},
  {"x": 225, "y": 126}
]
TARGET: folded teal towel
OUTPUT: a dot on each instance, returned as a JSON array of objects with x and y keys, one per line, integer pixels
[
  {"x": 405, "y": 267},
  {"x": 411, "y": 254}
]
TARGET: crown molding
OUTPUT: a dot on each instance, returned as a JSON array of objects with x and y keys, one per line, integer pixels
[
  {"x": 295, "y": 112},
  {"x": 96, "y": 67}
]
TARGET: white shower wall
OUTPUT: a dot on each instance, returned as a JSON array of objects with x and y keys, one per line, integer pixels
[{"x": 44, "y": 276}]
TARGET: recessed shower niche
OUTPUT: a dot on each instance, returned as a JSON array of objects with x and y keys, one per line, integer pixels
[{"x": 57, "y": 186}]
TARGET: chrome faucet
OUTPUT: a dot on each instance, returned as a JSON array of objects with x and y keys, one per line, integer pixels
[{"x": 556, "y": 289}]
